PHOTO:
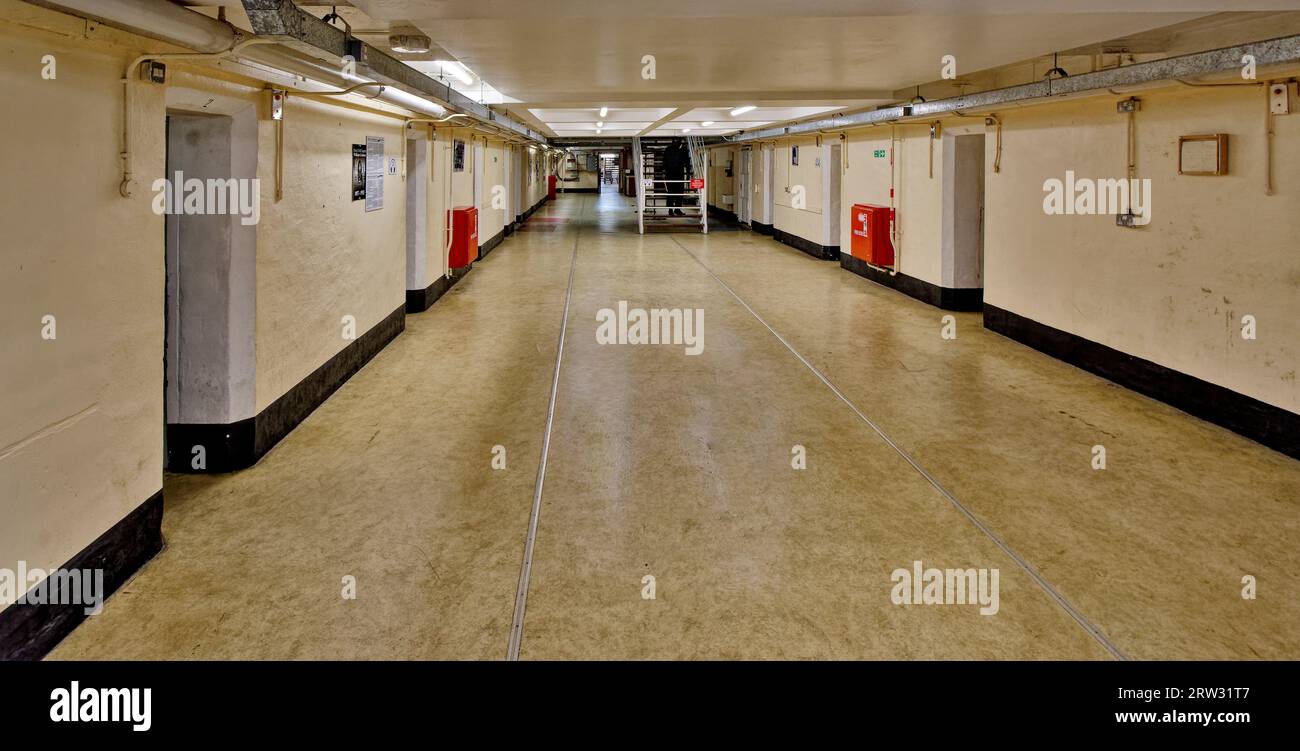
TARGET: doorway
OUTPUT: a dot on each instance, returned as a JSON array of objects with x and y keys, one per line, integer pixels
[
  {"x": 211, "y": 204},
  {"x": 476, "y": 170},
  {"x": 963, "y": 213},
  {"x": 744, "y": 192},
  {"x": 608, "y": 168},
  {"x": 419, "y": 158}
]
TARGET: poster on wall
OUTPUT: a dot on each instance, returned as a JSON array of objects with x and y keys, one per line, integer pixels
[
  {"x": 358, "y": 171},
  {"x": 374, "y": 173},
  {"x": 458, "y": 156}
]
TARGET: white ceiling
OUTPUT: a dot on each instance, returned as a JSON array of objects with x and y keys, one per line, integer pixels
[
  {"x": 592, "y": 114},
  {"x": 554, "y": 62},
  {"x": 657, "y": 121},
  {"x": 480, "y": 90}
]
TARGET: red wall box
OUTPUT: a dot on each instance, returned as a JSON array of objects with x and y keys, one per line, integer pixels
[
  {"x": 869, "y": 226},
  {"x": 464, "y": 236},
  {"x": 550, "y": 187}
]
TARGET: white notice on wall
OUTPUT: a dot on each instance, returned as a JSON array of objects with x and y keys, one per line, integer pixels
[
  {"x": 374, "y": 173},
  {"x": 1200, "y": 156}
]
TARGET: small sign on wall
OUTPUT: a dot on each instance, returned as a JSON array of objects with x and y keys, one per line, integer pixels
[
  {"x": 358, "y": 171},
  {"x": 1203, "y": 155},
  {"x": 374, "y": 173}
]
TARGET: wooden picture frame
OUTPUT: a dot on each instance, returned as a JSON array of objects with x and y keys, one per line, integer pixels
[{"x": 1193, "y": 158}]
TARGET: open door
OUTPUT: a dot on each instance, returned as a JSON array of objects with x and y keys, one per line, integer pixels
[{"x": 744, "y": 191}]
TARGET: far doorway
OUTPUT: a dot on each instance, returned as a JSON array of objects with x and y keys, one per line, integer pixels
[{"x": 608, "y": 169}]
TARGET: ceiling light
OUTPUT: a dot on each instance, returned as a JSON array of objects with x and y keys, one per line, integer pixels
[
  {"x": 604, "y": 111},
  {"x": 686, "y": 130},
  {"x": 597, "y": 131},
  {"x": 600, "y": 124},
  {"x": 737, "y": 112},
  {"x": 409, "y": 43},
  {"x": 459, "y": 71},
  {"x": 706, "y": 123}
]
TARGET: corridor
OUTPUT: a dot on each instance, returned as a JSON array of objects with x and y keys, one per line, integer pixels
[
  {"x": 970, "y": 452},
  {"x": 958, "y": 340}
]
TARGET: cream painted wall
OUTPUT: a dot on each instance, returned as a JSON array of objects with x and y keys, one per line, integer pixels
[
  {"x": 445, "y": 192},
  {"x": 918, "y": 196},
  {"x": 538, "y": 167},
  {"x": 763, "y": 198},
  {"x": 530, "y": 177},
  {"x": 587, "y": 180},
  {"x": 1174, "y": 291},
  {"x": 462, "y": 182},
  {"x": 492, "y": 221},
  {"x": 458, "y": 191},
  {"x": 439, "y": 205},
  {"x": 81, "y": 429},
  {"x": 81, "y": 421},
  {"x": 321, "y": 255},
  {"x": 811, "y": 173},
  {"x": 436, "y": 200},
  {"x": 516, "y": 180}
]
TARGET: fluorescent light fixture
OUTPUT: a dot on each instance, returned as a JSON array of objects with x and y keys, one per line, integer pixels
[
  {"x": 459, "y": 71},
  {"x": 737, "y": 112},
  {"x": 409, "y": 43},
  {"x": 604, "y": 111},
  {"x": 706, "y": 123}
]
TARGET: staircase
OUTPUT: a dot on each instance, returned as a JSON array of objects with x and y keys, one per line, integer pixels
[{"x": 653, "y": 192}]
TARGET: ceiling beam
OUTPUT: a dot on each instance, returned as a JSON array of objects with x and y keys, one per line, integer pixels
[
  {"x": 281, "y": 19},
  {"x": 661, "y": 122}
]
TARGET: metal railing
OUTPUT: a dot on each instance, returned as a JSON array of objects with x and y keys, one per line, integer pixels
[{"x": 651, "y": 186}]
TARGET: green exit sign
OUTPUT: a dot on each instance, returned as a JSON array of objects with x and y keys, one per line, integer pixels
[{"x": 878, "y": 153}]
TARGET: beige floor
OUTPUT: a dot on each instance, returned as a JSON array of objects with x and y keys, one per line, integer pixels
[{"x": 678, "y": 467}]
